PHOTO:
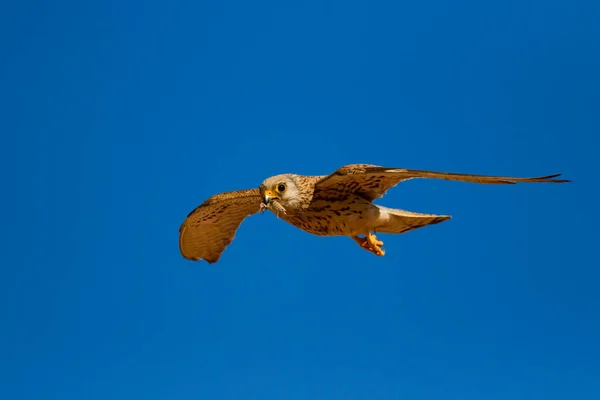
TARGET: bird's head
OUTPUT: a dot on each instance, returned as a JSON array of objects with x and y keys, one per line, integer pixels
[{"x": 280, "y": 192}]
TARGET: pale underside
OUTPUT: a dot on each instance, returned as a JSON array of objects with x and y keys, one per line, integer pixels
[{"x": 340, "y": 204}]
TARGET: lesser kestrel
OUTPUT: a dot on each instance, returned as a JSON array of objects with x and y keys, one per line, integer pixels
[{"x": 339, "y": 204}]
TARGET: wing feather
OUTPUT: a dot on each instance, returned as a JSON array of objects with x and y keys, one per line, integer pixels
[
  {"x": 372, "y": 181},
  {"x": 211, "y": 226}
]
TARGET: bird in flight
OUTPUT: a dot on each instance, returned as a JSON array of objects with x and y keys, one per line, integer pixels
[{"x": 339, "y": 204}]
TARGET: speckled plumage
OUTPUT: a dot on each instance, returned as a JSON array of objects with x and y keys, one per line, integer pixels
[{"x": 339, "y": 204}]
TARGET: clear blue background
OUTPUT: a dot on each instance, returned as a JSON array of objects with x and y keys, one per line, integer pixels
[{"x": 118, "y": 118}]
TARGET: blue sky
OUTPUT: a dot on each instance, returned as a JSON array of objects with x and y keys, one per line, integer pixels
[{"x": 118, "y": 118}]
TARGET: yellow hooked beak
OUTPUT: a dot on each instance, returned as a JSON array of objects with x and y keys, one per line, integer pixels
[{"x": 268, "y": 195}]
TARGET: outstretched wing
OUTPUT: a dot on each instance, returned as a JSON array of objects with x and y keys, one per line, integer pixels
[
  {"x": 372, "y": 181},
  {"x": 209, "y": 228}
]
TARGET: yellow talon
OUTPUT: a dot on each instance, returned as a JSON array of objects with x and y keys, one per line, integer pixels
[{"x": 370, "y": 243}]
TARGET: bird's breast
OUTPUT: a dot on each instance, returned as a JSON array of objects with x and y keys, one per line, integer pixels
[{"x": 340, "y": 217}]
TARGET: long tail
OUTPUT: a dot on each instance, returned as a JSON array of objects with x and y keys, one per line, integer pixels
[{"x": 401, "y": 221}]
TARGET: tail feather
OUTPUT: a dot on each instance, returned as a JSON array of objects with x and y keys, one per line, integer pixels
[{"x": 401, "y": 221}]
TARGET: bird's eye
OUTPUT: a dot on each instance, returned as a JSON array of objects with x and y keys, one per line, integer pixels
[{"x": 281, "y": 188}]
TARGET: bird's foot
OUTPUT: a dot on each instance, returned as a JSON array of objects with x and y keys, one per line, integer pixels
[{"x": 370, "y": 243}]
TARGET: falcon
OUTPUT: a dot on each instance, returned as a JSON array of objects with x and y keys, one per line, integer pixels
[{"x": 339, "y": 204}]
